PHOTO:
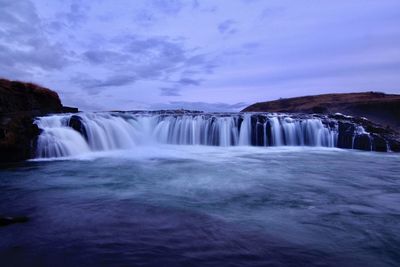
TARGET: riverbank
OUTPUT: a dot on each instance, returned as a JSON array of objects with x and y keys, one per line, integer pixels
[{"x": 20, "y": 103}]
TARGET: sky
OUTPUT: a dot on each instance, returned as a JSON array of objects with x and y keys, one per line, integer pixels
[{"x": 212, "y": 55}]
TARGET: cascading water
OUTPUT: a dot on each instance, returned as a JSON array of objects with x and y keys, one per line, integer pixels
[
  {"x": 57, "y": 139},
  {"x": 70, "y": 135}
]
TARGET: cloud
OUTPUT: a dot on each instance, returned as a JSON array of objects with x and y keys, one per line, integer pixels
[
  {"x": 127, "y": 59},
  {"x": 251, "y": 46},
  {"x": 168, "y": 91},
  {"x": 201, "y": 106},
  {"x": 272, "y": 12},
  {"x": 179, "y": 85},
  {"x": 173, "y": 7},
  {"x": 24, "y": 47},
  {"x": 81, "y": 101},
  {"x": 227, "y": 27},
  {"x": 332, "y": 71},
  {"x": 156, "y": 11},
  {"x": 77, "y": 13},
  {"x": 104, "y": 57},
  {"x": 168, "y": 6},
  {"x": 150, "y": 51},
  {"x": 96, "y": 85},
  {"x": 188, "y": 81}
]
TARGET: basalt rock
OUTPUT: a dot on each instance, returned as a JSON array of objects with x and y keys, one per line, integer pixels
[
  {"x": 381, "y": 108},
  {"x": 394, "y": 145},
  {"x": 20, "y": 103},
  {"x": 75, "y": 122},
  {"x": 363, "y": 142},
  {"x": 18, "y": 134},
  {"x": 16, "y": 97},
  {"x": 4, "y": 221},
  {"x": 375, "y": 138},
  {"x": 352, "y": 132},
  {"x": 346, "y": 132},
  {"x": 379, "y": 143}
]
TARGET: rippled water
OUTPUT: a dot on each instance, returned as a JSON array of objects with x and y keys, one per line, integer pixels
[{"x": 204, "y": 206}]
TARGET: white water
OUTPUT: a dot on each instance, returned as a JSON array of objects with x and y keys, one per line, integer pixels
[{"x": 113, "y": 131}]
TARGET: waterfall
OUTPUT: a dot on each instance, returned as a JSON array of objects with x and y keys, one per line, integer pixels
[
  {"x": 245, "y": 131},
  {"x": 57, "y": 140},
  {"x": 69, "y": 135}
]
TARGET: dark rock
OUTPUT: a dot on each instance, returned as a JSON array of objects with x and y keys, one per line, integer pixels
[
  {"x": 4, "y": 221},
  {"x": 346, "y": 133},
  {"x": 351, "y": 134},
  {"x": 19, "y": 103},
  {"x": 377, "y": 107},
  {"x": 18, "y": 140},
  {"x": 394, "y": 145},
  {"x": 66, "y": 109},
  {"x": 17, "y": 97},
  {"x": 379, "y": 143},
  {"x": 319, "y": 109},
  {"x": 363, "y": 142},
  {"x": 75, "y": 122}
]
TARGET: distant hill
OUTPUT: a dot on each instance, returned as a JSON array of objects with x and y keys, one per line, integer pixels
[{"x": 378, "y": 107}]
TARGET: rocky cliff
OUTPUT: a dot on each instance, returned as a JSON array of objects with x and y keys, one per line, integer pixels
[
  {"x": 380, "y": 108},
  {"x": 19, "y": 103},
  {"x": 19, "y": 97}
]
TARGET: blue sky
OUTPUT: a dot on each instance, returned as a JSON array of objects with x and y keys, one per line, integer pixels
[{"x": 199, "y": 54}]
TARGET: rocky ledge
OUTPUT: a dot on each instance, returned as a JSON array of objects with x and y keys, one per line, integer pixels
[
  {"x": 19, "y": 103},
  {"x": 371, "y": 136},
  {"x": 4, "y": 221},
  {"x": 383, "y": 109}
]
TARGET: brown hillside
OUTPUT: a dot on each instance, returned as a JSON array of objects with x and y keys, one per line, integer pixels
[
  {"x": 18, "y": 96},
  {"x": 379, "y": 107}
]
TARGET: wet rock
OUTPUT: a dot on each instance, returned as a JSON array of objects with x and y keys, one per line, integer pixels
[
  {"x": 394, "y": 145},
  {"x": 346, "y": 133},
  {"x": 363, "y": 142},
  {"x": 319, "y": 109},
  {"x": 380, "y": 138},
  {"x": 353, "y": 132},
  {"x": 75, "y": 122},
  {"x": 378, "y": 107},
  {"x": 20, "y": 103},
  {"x": 4, "y": 221},
  {"x": 379, "y": 143},
  {"x": 18, "y": 139}
]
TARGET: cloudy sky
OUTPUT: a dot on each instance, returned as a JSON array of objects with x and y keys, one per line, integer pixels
[{"x": 199, "y": 54}]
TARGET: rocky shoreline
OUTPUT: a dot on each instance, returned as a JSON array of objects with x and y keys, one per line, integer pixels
[
  {"x": 20, "y": 103},
  {"x": 385, "y": 138},
  {"x": 382, "y": 109}
]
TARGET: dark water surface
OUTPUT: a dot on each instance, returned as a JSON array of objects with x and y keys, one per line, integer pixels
[{"x": 204, "y": 206}]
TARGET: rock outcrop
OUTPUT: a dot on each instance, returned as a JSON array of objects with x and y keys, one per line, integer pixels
[
  {"x": 4, "y": 221},
  {"x": 19, "y": 103},
  {"x": 350, "y": 132},
  {"x": 19, "y": 97},
  {"x": 383, "y": 109},
  {"x": 375, "y": 137},
  {"x": 17, "y": 136}
]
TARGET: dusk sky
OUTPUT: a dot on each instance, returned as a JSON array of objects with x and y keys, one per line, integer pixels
[{"x": 204, "y": 54}]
